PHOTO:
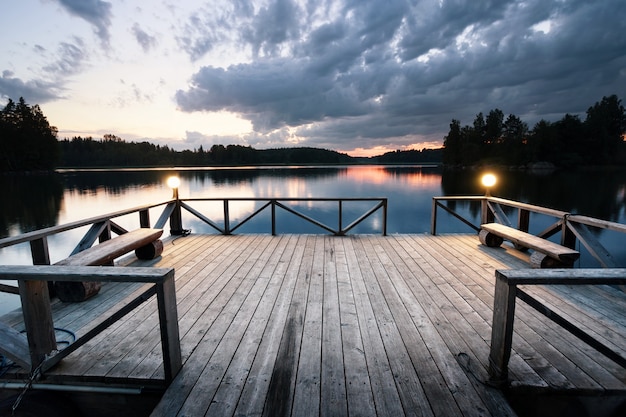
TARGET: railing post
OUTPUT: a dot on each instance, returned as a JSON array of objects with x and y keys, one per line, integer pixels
[
  {"x": 39, "y": 251},
  {"x": 340, "y": 229},
  {"x": 37, "y": 320},
  {"x": 502, "y": 329},
  {"x": 273, "y": 217},
  {"x": 486, "y": 215},
  {"x": 523, "y": 220},
  {"x": 36, "y": 310},
  {"x": 433, "y": 218},
  {"x": 168, "y": 322},
  {"x": 226, "y": 218},
  {"x": 384, "y": 217},
  {"x": 568, "y": 238},
  {"x": 144, "y": 218},
  {"x": 176, "y": 219},
  {"x": 104, "y": 236},
  {"x": 106, "y": 233}
]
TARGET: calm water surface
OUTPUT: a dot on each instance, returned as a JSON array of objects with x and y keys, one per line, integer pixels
[{"x": 38, "y": 201}]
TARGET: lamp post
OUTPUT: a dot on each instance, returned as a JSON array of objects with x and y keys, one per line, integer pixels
[
  {"x": 488, "y": 180},
  {"x": 176, "y": 221}
]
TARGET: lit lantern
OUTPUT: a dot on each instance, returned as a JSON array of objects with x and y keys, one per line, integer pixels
[
  {"x": 489, "y": 180},
  {"x": 174, "y": 182}
]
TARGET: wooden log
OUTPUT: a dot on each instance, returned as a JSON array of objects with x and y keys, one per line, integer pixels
[
  {"x": 489, "y": 239},
  {"x": 150, "y": 251},
  {"x": 76, "y": 291},
  {"x": 541, "y": 260}
]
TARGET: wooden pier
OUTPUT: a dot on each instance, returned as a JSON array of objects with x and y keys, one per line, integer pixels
[{"x": 363, "y": 325}]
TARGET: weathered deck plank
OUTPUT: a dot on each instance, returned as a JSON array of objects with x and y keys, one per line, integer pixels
[{"x": 359, "y": 325}]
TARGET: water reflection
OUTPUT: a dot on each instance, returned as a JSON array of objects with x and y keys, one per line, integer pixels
[
  {"x": 599, "y": 194},
  {"x": 29, "y": 202},
  {"x": 111, "y": 182},
  {"x": 35, "y": 202},
  {"x": 42, "y": 201}
]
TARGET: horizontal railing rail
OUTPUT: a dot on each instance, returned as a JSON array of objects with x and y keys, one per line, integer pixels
[
  {"x": 38, "y": 353},
  {"x": 573, "y": 228},
  {"x": 506, "y": 293},
  {"x": 53, "y": 230}
]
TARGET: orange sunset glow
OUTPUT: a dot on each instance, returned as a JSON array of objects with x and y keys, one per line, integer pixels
[{"x": 381, "y": 175}]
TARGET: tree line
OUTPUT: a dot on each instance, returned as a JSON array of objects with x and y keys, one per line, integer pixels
[
  {"x": 29, "y": 143},
  {"x": 112, "y": 151},
  {"x": 568, "y": 142}
]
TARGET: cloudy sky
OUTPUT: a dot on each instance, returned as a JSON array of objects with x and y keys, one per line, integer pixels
[{"x": 357, "y": 76}]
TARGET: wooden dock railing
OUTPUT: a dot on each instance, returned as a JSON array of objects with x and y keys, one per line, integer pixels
[
  {"x": 507, "y": 291},
  {"x": 272, "y": 204},
  {"x": 39, "y": 354},
  {"x": 101, "y": 227},
  {"x": 573, "y": 228},
  {"x": 33, "y": 279}
]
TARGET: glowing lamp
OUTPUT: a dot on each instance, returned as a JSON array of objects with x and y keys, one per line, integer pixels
[
  {"x": 173, "y": 182},
  {"x": 489, "y": 180}
]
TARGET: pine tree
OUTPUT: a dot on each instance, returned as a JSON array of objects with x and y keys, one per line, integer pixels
[{"x": 27, "y": 141}]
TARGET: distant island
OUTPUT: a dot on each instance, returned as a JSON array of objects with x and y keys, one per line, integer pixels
[{"x": 112, "y": 151}]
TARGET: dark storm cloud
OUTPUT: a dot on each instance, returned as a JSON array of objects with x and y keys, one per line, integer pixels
[
  {"x": 272, "y": 27},
  {"x": 271, "y": 94},
  {"x": 33, "y": 91},
  {"x": 95, "y": 12},
  {"x": 395, "y": 69}
]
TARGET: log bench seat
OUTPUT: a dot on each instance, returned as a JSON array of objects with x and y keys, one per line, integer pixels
[
  {"x": 145, "y": 242},
  {"x": 546, "y": 254}
]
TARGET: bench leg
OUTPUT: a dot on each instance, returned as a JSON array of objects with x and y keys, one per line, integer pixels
[
  {"x": 489, "y": 239},
  {"x": 150, "y": 251},
  {"x": 72, "y": 291},
  {"x": 541, "y": 260}
]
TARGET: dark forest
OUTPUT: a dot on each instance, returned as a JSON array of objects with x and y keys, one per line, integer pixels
[{"x": 569, "y": 142}]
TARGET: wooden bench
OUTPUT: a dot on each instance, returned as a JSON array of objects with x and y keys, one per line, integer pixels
[
  {"x": 546, "y": 254},
  {"x": 145, "y": 242}
]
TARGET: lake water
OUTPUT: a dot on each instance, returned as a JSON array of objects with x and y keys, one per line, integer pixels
[{"x": 38, "y": 201}]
